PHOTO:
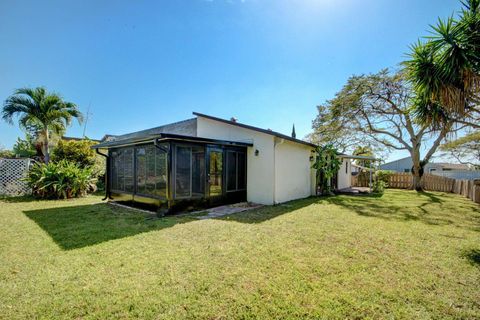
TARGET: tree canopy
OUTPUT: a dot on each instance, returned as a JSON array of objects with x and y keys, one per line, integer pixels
[
  {"x": 444, "y": 69},
  {"x": 376, "y": 109},
  {"x": 465, "y": 149},
  {"x": 40, "y": 111}
]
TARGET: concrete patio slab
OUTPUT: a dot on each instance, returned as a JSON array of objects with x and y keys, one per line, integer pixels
[{"x": 226, "y": 210}]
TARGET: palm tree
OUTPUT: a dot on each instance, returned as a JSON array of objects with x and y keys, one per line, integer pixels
[
  {"x": 445, "y": 70},
  {"x": 44, "y": 111}
]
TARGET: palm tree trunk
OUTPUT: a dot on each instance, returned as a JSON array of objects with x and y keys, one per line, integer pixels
[{"x": 47, "y": 141}]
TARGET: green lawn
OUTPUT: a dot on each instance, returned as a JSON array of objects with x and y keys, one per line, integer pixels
[{"x": 404, "y": 255}]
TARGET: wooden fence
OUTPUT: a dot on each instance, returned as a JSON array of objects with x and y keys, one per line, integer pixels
[{"x": 430, "y": 182}]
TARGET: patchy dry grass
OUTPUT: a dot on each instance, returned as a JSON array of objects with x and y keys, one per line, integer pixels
[{"x": 404, "y": 255}]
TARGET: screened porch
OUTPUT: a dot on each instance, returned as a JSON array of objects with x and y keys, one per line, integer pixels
[{"x": 177, "y": 173}]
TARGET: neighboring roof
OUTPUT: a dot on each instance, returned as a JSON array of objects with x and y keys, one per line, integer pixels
[
  {"x": 266, "y": 131},
  {"x": 348, "y": 156},
  {"x": 165, "y": 137},
  {"x": 78, "y": 139},
  {"x": 401, "y": 159},
  {"x": 455, "y": 166},
  {"x": 108, "y": 137},
  {"x": 444, "y": 165}
]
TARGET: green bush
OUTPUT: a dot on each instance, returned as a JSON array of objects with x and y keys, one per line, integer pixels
[
  {"x": 80, "y": 153},
  {"x": 384, "y": 175},
  {"x": 379, "y": 186},
  {"x": 60, "y": 180},
  {"x": 24, "y": 148},
  {"x": 6, "y": 153}
]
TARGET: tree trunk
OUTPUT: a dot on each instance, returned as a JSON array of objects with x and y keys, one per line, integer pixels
[
  {"x": 417, "y": 182},
  {"x": 417, "y": 170},
  {"x": 47, "y": 149}
]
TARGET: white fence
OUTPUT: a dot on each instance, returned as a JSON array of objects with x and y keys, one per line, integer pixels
[{"x": 12, "y": 171}]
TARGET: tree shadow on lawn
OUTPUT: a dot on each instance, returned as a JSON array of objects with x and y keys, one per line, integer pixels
[
  {"x": 424, "y": 207},
  {"x": 473, "y": 256},
  {"x": 80, "y": 226}
]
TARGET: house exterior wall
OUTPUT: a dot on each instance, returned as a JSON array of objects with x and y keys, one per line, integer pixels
[
  {"x": 344, "y": 176},
  {"x": 400, "y": 165},
  {"x": 260, "y": 169},
  {"x": 293, "y": 172},
  {"x": 280, "y": 172}
]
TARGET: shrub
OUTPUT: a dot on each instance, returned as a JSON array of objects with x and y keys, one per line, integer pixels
[
  {"x": 80, "y": 153},
  {"x": 379, "y": 186},
  {"x": 24, "y": 148},
  {"x": 60, "y": 180},
  {"x": 384, "y": 175},
  {"x": 6, "y": 153}
]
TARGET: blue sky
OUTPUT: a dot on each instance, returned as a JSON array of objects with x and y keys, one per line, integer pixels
[{"x": 140, "y": 64}]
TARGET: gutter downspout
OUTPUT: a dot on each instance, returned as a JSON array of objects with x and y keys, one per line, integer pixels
[
  {"x": 275, "y": 167},
  {"x": 107, "y": 173}
]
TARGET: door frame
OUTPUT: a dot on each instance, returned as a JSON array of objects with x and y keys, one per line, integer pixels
[{"x": 209, "y": 150}]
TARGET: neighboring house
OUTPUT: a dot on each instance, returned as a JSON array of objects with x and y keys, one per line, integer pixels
[
  {"x": 209, "y": 160},
  {"x": 451, "y": 170},
  {"x": 65, "y": 138}
]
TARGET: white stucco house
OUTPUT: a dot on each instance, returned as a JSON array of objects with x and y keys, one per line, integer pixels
[{"x": 213, "y": 160}]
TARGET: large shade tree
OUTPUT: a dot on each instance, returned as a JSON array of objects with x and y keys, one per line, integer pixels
[
  {"x": 444, "y": 69},
  {"x": 41, "y": 111},
  {"x": 465, "y": 149},
  {"x": 377, "y": 109}
]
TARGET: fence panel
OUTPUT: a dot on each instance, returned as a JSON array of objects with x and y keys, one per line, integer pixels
[
  {"x": 400, "y": 180},
  {"x": 12, "y": 171}
]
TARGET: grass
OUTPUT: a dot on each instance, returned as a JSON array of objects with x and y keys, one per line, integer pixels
[{"x": 404, "y": 255}]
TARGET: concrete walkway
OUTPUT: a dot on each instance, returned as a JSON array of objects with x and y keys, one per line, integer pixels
[
  {"x": 226, "y": 210},
  {"x": 354, "y": 190}
]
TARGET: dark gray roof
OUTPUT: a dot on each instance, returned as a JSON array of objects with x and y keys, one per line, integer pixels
[
  {"x": 185, "y": 127},
  {"x": 270, "y": 132}
]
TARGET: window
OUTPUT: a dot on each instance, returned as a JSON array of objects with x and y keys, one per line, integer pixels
[
  {"x": 236, "y": 169},
  {"x": 150, "y": 176},
  {"x": 198, "y": 171},
  {"x": 128, "y": 172},
  {"x": 151, "y": 171},
  {"x": 183, "y": 171},
  {"x": 160, "y": 173},
  {"x": 189, "y": 171},
  {"x": 122, "y": 170},
  {"x": 407, "y": 170},
  {"x": 141, "y": 174}
]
